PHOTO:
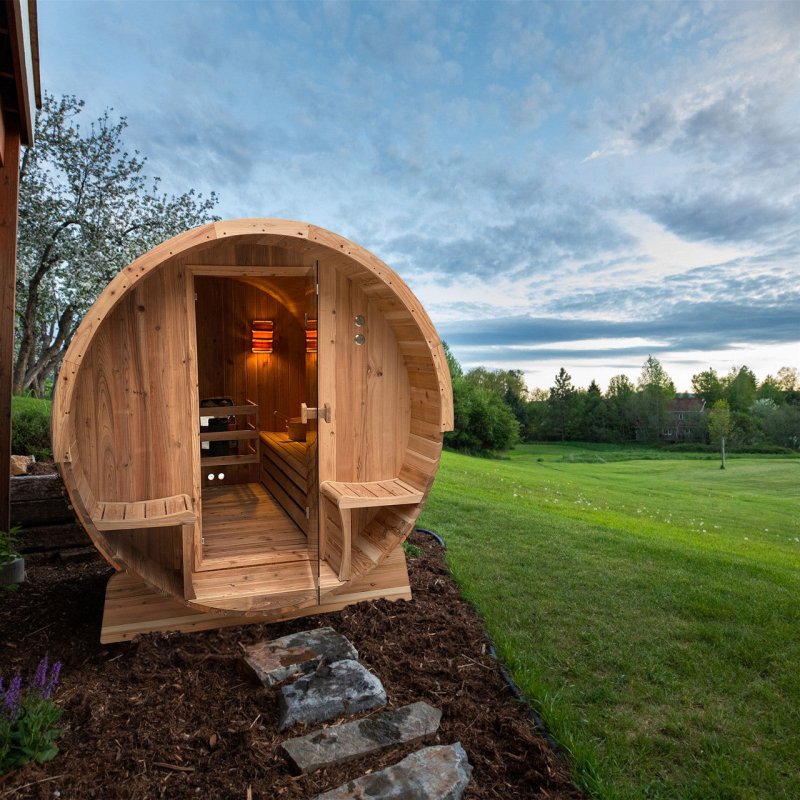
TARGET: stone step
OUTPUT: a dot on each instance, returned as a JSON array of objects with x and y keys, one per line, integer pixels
[
  {"x": 278, "y": 660},
  {"x": 332, "y": 691},
  {"x": 433, "y": 773},
  {"x": 341, "y": 743}
]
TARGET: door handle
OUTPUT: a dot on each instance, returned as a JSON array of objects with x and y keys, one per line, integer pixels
[{"x": 307, "y": 413}]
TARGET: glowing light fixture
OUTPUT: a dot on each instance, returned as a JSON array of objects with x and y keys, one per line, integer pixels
[
  {"x": 311, "y": 336},
  {"x": 262, "y": 330}
]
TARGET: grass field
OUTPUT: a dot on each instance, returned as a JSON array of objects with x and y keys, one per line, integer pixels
[{"x": 649, "y": 606}]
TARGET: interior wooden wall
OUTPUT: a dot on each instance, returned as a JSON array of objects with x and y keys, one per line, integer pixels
[{"x": 225, "y": 308}]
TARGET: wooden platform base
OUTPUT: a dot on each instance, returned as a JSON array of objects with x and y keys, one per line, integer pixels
[{"x": 132, "y": 607}]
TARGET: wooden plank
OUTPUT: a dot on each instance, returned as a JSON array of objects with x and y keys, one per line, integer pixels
[
  {"x": 228, "y": 411},
  {"x": 257, "y": 271},
  {"x": 224, "y": 436},
  {"x": 244, "y": 525},
  {"x": 9, "y": 185},
  {"x": 297, "y": 493},
  {"x": 222, "y": 461},
  {"x": 296, "y": 512},
  {"x": 286, "y": 454},
  {"x": 133, "y": 608}
]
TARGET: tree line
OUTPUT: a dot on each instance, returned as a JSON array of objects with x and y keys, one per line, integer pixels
[{"x": 494, "y": 409}]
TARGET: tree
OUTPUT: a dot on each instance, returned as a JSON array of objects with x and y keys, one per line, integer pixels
[
  {"x": 788, "y": 379},
  {"x": 707, "y": 385},
  {"x": 593, "y": 419},
  {"x": 720, "y": 424},
  {"x": 740, "y": 388},
  {"x": 483, "y": 422},
  {"x": 561, "y": 402},
  {"x": 770, "y": 389},
  {"x": 620, "y": 406},
  {"x": 456, "y": 373},
  {"x": 656, "y": 389},
  {"x": 85, "y": 211}
]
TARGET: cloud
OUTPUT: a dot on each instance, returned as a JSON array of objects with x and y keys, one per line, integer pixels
[{"x": 719, "y": 218}]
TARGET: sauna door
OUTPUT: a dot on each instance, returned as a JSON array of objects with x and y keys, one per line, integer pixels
[{"x": 312, "y": 401}]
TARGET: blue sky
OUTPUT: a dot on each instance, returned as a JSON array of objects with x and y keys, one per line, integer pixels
[{"x": 562, "y": 184}]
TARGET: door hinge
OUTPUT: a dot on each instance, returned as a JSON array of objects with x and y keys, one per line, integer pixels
[
  {"x": 318, "y": 290},
  {"x": 308, "y": 513}
]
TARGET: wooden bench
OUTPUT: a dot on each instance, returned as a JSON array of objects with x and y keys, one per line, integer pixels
[
  {"x": 160, "y": 512},
  {"x": 349, "y": 495}
]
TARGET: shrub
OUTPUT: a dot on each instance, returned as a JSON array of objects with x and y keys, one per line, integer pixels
[
  {"x": 483, "y": 421},
  {"x": 30, "y": 432},
  {"x": 28, "y": 717}
]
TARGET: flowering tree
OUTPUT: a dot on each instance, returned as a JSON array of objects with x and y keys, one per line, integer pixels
[{"x": 85, "y": 211}]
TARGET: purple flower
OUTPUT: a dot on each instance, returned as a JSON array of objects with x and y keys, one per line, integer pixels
[
  {"x": 52, "y": 682},
  {"x": 12, "y": 699},
  {"x": 40, "y": 678}
]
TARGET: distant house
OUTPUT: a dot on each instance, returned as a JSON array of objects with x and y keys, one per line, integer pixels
[{"x": 684, "y": 419}]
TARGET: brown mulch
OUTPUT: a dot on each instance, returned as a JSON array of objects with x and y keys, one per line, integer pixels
[{"x": 173, "y": 716}]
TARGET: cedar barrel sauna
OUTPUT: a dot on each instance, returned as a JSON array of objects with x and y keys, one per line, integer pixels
[{"x": 248, "y": 422}]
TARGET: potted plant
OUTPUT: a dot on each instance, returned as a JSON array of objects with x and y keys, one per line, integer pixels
[{"x": 12, "y": 564}]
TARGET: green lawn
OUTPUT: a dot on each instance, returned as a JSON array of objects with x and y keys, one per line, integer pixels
[{"x": 649, "y": 606}]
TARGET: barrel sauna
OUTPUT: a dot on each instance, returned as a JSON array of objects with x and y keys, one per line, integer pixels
[{"x": 248, "y": 422}]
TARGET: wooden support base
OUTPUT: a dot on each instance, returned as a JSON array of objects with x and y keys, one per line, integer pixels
[{"x": 132, "y": 607}]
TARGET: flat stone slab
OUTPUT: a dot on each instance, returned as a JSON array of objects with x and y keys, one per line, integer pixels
[
  {"x": 350, "y": 740},
  {"x": 299, "y": 653},
  {"x": 343, "y": 687},
  {"x": 433, "y": 773}
]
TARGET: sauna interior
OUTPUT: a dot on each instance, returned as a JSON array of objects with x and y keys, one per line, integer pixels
[{"x": 257, "y": 456}]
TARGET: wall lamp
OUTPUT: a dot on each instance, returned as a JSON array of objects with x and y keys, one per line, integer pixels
[{"x": 262, "y": 333}]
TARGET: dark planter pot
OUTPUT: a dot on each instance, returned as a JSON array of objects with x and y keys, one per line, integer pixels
[{"x": 12, "y": 571}]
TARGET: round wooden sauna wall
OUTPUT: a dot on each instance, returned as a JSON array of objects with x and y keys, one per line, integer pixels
[{"x": 273, "y": 483}]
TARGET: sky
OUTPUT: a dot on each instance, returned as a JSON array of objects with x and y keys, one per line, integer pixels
[{"x": 566, "y": 184}]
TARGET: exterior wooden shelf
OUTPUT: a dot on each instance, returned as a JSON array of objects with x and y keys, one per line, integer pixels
[
  {"x": 392, "y": 492},
  {"x": 349, "y": 495},
  {"x": 160, "y": 513}
]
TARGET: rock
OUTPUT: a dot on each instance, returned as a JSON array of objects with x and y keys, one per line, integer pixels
[
  {"x": 353, "y": 739},
  {"x": 279, "y": 659},
  {"x": 344, "y": 687},
  {"x": 433, "y": 773},
  {"x": 19, "y": 464}
]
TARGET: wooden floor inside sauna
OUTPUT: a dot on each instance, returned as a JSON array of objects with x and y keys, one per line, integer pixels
[
  {"x": 244, "y": 525},
  {"x": 252, "y": 549}
]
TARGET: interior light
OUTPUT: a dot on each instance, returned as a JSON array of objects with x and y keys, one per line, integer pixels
[
  {"x": 211, "y": 476},
  {"x": 311, "y": 336},
  {"x": 261, "y": 333},
  {"x": 221, "y": 476}
]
